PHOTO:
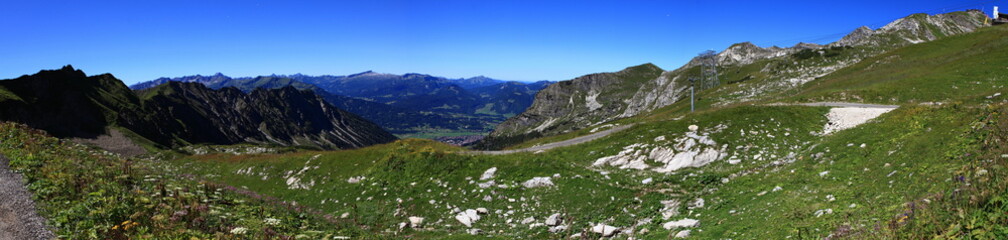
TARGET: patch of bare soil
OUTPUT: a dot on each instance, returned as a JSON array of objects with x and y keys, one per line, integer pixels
[{"x": 114, "y": 142}]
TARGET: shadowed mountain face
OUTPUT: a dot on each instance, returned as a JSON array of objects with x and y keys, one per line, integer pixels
[
  {"x": 402, "y": 104},
  {"x": 67, "y": 103}
]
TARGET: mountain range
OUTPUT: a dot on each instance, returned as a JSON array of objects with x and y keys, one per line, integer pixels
[
  {"x": 403, "y": 104},
  {"x": 68, "y": 103}
]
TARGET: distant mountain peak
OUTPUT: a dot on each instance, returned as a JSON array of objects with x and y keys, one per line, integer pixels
[{"x": 364, "y": 73}]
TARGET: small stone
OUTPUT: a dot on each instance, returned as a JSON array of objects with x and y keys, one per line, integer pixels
[
  {"x": 693, "y": 128},
  {"x": 553, "y": 220},
  {"x": 488, "y": 174},
  {"x": 416, "y": 222},
  {"x": 682, "y": 234},
  {"x": 556, "y": 229},
  {"x": 482, "y": 210},
  {"x": 605, "y": 230},
  {"x": 681, "y": 224},
  {"x": 646, "y": 181},
  {"x": 538, "y": 182}
]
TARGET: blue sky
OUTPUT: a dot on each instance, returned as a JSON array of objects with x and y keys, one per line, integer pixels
[{"x": 512, "y": 40}]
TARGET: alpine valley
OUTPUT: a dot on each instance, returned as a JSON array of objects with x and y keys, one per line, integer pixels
[
  {"x": 410, "y": 105},
  {"x": 897, "y": 132}
]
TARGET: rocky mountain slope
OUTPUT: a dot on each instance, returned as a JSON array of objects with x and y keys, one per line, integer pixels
[
  {"x": 67, "y": 103},
  {"x": 747, "y": 72},
  {"x": 284, "y": 116},
  {"x": 575, "y": 104}
]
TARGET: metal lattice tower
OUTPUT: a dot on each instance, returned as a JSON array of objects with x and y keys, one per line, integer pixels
[{"x": 708, "y": 70}]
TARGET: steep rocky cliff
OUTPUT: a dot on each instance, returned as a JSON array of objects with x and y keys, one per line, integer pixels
[{"x": 67, "y": 103}]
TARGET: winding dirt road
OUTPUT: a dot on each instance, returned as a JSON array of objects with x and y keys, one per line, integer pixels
[{"x": 564, "y": 143}]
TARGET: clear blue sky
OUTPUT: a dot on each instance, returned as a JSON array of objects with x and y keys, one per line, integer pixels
[{"x": 513, "y": 40}]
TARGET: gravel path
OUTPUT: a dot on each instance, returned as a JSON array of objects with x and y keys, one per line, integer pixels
[
  {"x": 842, "y": 104},
  {"x": 18, "y": 219},
  {"x": 564, "y": 143},
  {"x": 846, "y": 115}
]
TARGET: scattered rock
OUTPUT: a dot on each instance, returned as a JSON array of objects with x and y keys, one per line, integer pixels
[
  {"x": 488, "y": 174},
  {"x": 528, "y": 220},
  {"x": 646, "y": 181},
  {"x": 475, "y": 231},
  {"x": 356, "y": 179},
  {"x": 605, "y": 230},
  {"x": 467, "y": 217},
  {"x": 557, "y": 229},
  {"x": 682, "y": 234},
  {"x": 416, "y": 222},
  {"x": 553, "y": 220},
  {"x": 682, "y": 224},
  {"x": 671, "y": 208},
  {"x": 821, "y": 212},
  {"x": 698, "y": 203},
  {"x": 693, "y": 128},
  {"x": 482, "y": 210},
  {"x": 538, "y": 182}
]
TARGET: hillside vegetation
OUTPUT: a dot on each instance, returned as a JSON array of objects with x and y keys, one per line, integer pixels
[
  {"x": 749, "y": 164},
  {"x": 922, "y": 170}
]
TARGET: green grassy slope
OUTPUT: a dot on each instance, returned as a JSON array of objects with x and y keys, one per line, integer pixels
[
  {"x": 825, "y": 185},
  {"x": 89, "y": 194},
  {"x": 954, "y": 68}
]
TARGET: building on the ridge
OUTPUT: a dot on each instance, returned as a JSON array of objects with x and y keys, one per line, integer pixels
[{"x": 999, "y": 18}]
